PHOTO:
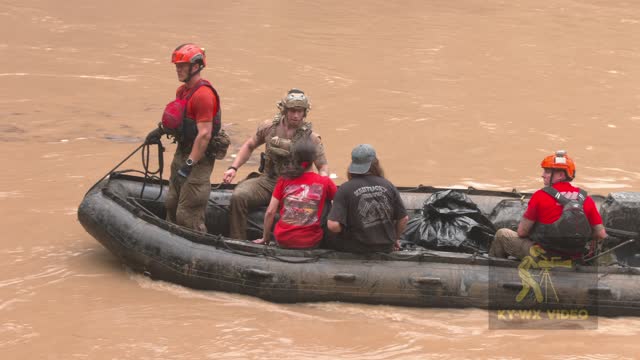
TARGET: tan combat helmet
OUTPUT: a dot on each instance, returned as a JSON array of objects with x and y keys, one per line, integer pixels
[{"x": 295, "y": 98}]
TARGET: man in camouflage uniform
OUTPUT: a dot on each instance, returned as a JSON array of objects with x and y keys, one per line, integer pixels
[{"x": 278, "y": 135}]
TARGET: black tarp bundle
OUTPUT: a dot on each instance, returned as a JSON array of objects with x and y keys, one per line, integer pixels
[
  {"x": 450, "y": 221},
  {"x": 508, "y": 213}
]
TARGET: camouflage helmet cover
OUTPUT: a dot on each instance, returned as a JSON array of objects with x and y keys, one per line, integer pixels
[{"x": 295, "y": 98}]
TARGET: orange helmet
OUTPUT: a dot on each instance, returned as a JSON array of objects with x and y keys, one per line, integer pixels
[
  {"x": 189, "y": 53},
  {"x": 561, "y": 161}
]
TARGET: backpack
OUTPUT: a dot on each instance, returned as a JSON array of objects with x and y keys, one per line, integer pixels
[{"x": 572, "y": 231}]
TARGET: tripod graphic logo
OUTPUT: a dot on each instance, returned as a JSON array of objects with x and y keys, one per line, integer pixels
[{"x": 537, "y": 260}]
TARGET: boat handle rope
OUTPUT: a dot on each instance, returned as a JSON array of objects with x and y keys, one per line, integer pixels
[
  {"x": 616, "y": 234},
  {"x": 269, "y": 253},
  {"x": 630, "y": 241},
  {"x": 112, "y": 170},
  {"x": 151, "y": 175},
  {"x": 142, "y": 208},
  {"x": 148, "y": 175}
]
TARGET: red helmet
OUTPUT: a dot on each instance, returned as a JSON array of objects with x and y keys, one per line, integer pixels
[
  {"x": 560, "y": 161},
  {"x": 189, "y": 53}
]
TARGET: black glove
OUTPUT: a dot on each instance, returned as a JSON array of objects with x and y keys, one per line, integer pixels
[
  {"x": 184, "y": 171},
  {"x": 154, "y": 136}
]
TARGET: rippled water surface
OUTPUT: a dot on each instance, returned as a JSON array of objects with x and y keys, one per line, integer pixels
[{"x": 451, "y": 93}]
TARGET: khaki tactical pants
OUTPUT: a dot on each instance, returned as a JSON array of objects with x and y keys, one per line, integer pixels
[
  {"x": 506, "y": 242},
  {"x": 187, "y": 198},
  {"x": 248, "y": 195}
]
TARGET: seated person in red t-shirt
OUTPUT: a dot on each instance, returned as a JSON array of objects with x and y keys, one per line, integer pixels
[
  {"x": 300, "y": 194},
  {"x": 543, "y": 212}
]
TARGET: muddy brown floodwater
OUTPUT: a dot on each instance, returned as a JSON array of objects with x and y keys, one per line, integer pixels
[{"x": 451, "y": 93}]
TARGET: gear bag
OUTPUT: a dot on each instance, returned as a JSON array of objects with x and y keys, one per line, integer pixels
[
  {"x": 572, "y": 231},
  {"x": 219, "y": 145}
]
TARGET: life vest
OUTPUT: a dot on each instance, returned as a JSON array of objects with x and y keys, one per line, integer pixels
[
  {"x": 278, "y": 150},
  {"x": 183, "y": 129},
  {"x": 571, "y": 232}
]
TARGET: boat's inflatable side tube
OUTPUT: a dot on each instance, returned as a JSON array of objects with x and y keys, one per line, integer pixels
[{"x": 164, "y": 255}]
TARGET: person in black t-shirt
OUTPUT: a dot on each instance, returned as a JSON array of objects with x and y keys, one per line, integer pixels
[{"x": 367, "y": 210}]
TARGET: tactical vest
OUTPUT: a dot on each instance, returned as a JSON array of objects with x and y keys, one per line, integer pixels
[
  {"x": 278, "y": 150},
  {"x": 189, "y": 130},
  {"x": 571, "y": 232}
]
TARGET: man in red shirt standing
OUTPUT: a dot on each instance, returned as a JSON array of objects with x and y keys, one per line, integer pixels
[
  {"x": 193, "y": 119},
  {"x": 541, "y": 223}
]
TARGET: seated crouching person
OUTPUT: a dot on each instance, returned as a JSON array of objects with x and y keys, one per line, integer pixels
[
  {"x": 560, "y": 218},
  {"x": 367, "y": 212},
  {"x": 279, "y": 135},
  {"x": 301, "y": 195}
]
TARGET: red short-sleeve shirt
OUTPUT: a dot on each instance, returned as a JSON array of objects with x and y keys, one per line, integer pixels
[
  {"x": 203, "y": 104},
  {"x": 543, "y": 208},
  {"x": 301, "y": 203}
]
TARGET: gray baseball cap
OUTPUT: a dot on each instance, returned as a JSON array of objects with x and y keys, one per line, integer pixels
[{"x": 361, "y": 158}]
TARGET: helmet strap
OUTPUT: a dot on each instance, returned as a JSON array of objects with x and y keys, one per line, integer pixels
[
  {"x": 200, "y": 67},
  {"x": 566, "y": 176}
]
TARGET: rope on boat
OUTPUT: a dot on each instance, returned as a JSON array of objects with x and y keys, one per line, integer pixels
[
  {"x": 615, "y": 235},
  {"x": 148, "y": 175},
  {"x": 270, "y": 253},
  {"x": 630, "y": 241},
  {"x": 143, "y": 208},
  {"x": 112, "y": 170}
]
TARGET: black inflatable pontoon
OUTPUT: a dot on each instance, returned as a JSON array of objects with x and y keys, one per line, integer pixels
[{"x": 133, "y": 228}]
